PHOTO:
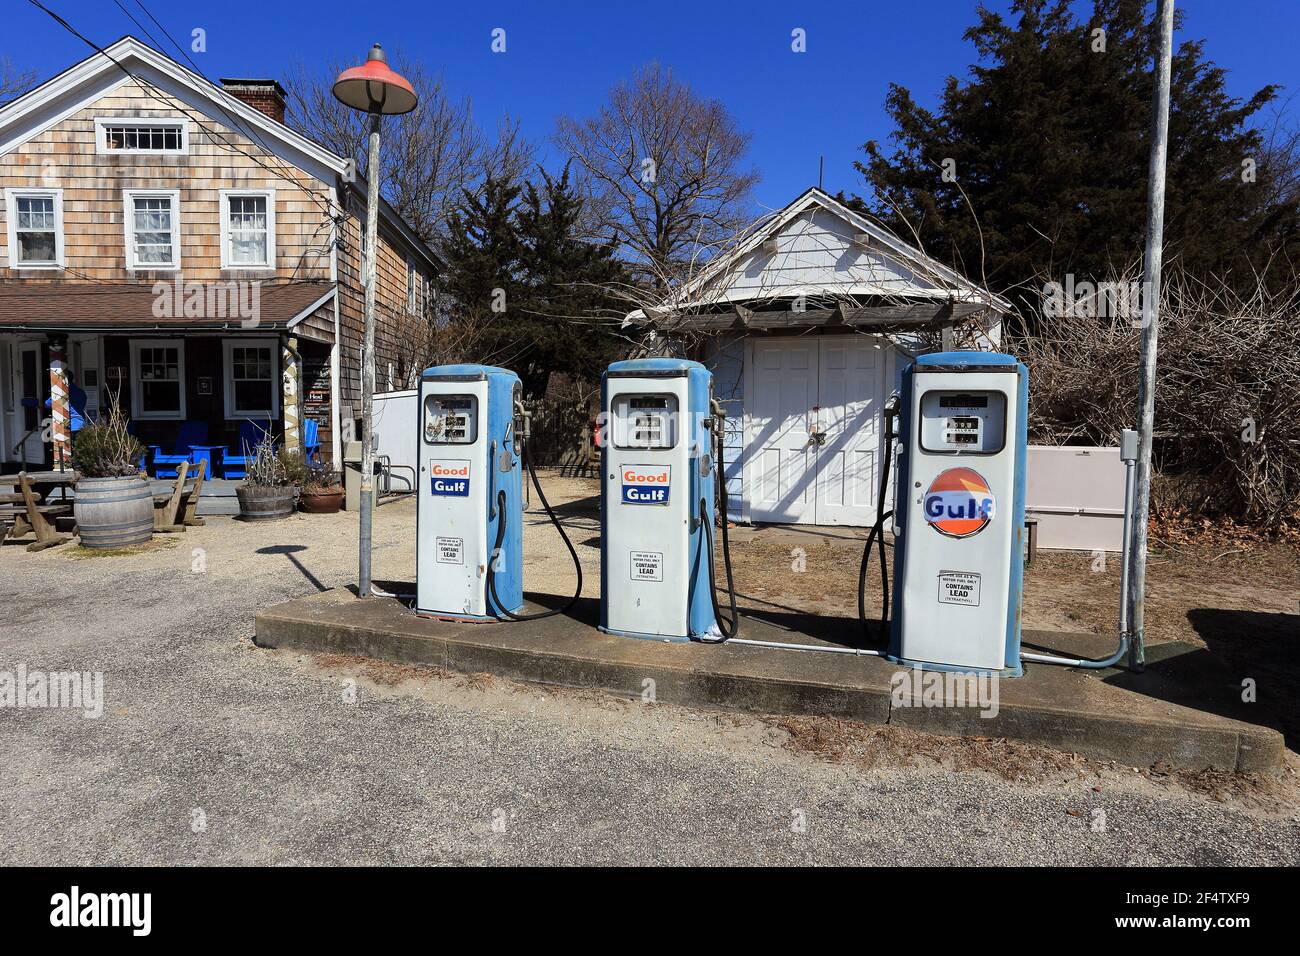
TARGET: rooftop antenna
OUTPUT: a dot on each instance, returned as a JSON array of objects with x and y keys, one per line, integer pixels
[{"x": 821, "y": 166}]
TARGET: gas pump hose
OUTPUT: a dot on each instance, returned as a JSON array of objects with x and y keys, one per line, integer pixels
[
  {"x": 501, "y": 536},
  {"x": 727, "y": 627},
  {"x": 877, "y": 535}
]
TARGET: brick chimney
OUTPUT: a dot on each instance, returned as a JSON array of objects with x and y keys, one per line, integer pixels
[{"x": 265, "y": 95}]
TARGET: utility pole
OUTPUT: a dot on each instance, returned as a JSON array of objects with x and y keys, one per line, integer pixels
[{"x": 1150, "y": 332}]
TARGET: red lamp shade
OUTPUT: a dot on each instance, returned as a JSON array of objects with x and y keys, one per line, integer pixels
[{"x": 374, "y": 87}]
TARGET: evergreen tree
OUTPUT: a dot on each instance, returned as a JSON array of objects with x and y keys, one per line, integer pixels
[
  {"x": 1048, "y": 146},
  {"x": 537, "y": 295},
  {"x": 570, "y": 325}
]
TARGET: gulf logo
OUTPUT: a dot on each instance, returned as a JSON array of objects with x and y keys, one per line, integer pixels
[{"x": 959, "y": 502}]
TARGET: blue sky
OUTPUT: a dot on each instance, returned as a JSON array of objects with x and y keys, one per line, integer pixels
[{"x": 563, "y": 55}]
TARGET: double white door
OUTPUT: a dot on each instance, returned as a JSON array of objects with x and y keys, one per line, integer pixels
[{"x": 813, "y": 433}]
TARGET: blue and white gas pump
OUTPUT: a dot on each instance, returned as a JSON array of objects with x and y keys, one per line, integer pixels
[
  {"x": 959, "y": 513},
  {"x": 473, "y": 435},
  {"x": 657, "y": 501}
]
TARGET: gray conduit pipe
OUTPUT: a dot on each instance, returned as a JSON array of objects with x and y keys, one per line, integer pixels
[{"x": 1128, "y": 444}]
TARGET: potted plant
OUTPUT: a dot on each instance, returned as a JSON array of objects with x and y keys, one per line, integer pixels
[
  {"x": 322, "y": 492},
  {"x": 270, "y": 487},
  {"x": 113, "y": 505}
]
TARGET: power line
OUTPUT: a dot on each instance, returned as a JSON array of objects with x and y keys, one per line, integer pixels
[{"x": 216, "y": 134}]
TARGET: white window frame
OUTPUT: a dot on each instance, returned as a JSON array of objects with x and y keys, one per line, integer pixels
[
  {"x": 228, "y": 381},
  {"x": 137, "y": 393},
  {"x": 129, "y": 197},
  {"x": 181, "y": 123},
  {"x": 412, "y": 288},
  {"x": 13, "y": 194},
  {"x": 226, "y": 259}
]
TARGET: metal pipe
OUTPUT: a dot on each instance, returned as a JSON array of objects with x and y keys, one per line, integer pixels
[
  {"x": 1150, "y": 330},
  {"x": 374, "y": 178},
  {"x": 828, "y": 649}
]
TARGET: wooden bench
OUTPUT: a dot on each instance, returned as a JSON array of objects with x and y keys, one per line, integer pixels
[
  {"x": 182, "y": 501},
  {"x": 33, "y": 517}
]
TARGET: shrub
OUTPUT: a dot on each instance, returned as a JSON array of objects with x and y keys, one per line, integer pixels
[{"x": 105, "y": 449}]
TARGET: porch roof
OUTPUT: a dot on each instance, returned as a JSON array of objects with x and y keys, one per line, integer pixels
[{"x": 120, "y": 307}]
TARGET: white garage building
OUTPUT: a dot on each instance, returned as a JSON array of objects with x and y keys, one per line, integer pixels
[{"x": 807, "y": 322}]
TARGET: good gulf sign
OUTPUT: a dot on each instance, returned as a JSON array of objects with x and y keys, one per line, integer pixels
[
  {"x": 959, "y": 502},
  {"x": 646, "y": 484},
  {"x": 449, "y": 478}
]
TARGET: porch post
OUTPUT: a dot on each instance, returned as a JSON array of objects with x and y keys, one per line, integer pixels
[
  {"x": 60, "y": 410},
  {"x": 289, "y": 400}
]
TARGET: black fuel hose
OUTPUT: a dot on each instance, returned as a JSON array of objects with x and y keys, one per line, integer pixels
[
  {"x": 877, "y": 535},
  {"x": 728, "y": 628},
  {"x": 491, "y": 585}
]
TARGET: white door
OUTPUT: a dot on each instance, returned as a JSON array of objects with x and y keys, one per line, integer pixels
[
  {"x": 813, "y": 430},
  {"x": 781, "y": 453},
  {"x": 849, "y": 402}
]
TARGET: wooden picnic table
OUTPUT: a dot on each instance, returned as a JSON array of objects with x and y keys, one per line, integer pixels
[{"x": 33, "y": 516}]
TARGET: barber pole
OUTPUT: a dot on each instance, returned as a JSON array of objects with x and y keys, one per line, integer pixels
[{"x": 60, "y": 409}]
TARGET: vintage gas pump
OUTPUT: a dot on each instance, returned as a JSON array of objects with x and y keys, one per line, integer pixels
[
  {"x": 959, "y": 513},
  {"x": 469, "y": 456},
  {"x": 657, "y": 501}
]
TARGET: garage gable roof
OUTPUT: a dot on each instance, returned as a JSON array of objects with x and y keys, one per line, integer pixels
[{"x": 819, "y": 248}]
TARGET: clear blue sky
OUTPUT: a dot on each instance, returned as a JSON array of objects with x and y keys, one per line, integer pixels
[{"x": 563, "y": 55}]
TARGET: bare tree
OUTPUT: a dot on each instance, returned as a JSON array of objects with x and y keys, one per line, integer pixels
[
  {"x": 1227, "y": 436},
  {"x": 664, "y": 170},
  {"x": 431, "y": 154},
  {"x": 13, "y": 81}
]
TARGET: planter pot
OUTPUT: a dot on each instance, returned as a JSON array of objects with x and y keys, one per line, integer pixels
[
  {"x": 321, "y": 502},
  {"x": 113, "y": 512},
  {"x": 265, "y": 504}
]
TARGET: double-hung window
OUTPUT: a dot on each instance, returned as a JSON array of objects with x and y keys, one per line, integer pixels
[
  {"x": 158, "y": 378},
  {"x": 252, "y": 389},
  {"x": 248, "y": 229},
  {"x": 35, "y": 221},
  {"x": 153, "y": 228}
]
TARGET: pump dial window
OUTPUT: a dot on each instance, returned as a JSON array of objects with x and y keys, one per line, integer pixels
[
  {"x": 450, "y": 419},
  {"x": 956, "y": 422},
  {"x": 646, "y": 420}
]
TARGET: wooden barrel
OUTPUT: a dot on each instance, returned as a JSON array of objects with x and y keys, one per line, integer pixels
[
  {"x": 265, "y": 504},
  {"x": 113, "y": 512}
]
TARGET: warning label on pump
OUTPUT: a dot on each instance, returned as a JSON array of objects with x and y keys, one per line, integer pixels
[
  {"x": 647, "y": 566},
  {"x": 451, "y": 550},
  {"x": 959, "y": 587}
]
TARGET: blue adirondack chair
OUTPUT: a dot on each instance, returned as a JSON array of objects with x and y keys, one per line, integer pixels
[
  {"x": 144, "y": 455},
  {"x": 311, "y": 440},
  {"x": 192, "y": 432},
  {"x": 235, "y": 460}
]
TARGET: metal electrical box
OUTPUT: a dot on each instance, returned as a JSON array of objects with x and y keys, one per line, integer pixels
[
  {"x": 469, "y": 482},
  {"x": 657, "y": 500},
  {"x": 960, "y": 513}
]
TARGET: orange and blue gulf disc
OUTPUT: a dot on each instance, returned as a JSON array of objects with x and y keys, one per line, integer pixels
[{"x": 959, "y": 502}]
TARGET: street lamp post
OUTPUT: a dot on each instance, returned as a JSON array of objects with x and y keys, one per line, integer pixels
[{"x": 379, "y": 91}]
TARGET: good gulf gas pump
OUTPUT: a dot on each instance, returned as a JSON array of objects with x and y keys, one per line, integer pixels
[
  {"x": 959, "y": 513},
  {"x": 473, "y": 441},
  {"x": 469, "y": 458},
  {"x": 657, "y": 498}
]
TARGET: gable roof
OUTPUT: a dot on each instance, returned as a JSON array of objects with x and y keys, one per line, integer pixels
[
  {"x": 822, "y": 249},
  {"x": 128, "y": 58}
]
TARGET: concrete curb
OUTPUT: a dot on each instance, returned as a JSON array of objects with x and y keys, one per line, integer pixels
[{"x": 1054, "y": 707}]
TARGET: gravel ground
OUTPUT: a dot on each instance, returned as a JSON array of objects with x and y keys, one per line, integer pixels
[{"x": 211, "y": 750}]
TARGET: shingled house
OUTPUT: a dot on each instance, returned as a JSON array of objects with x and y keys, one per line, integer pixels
[{"x": 170, "y": 243}]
